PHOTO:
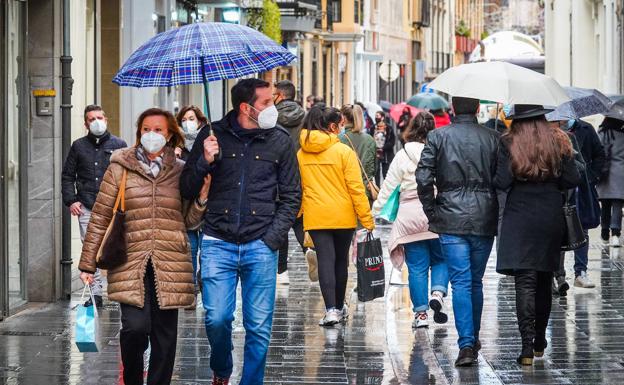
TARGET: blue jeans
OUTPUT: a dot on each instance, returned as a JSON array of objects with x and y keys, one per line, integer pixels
[
  {"x": 222, "y": 265},
  {"x": 194, "y": 237},
  {"x": 466, "y": 257},
  {"x": 581, "y": 257},
  {"x": 419, "y": 257}
]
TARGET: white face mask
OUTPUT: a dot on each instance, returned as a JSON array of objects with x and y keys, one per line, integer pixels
[
  {"x": 153, "y": 142},
  {"x": 190, "y": 126},
  {"x": 97, "y": 127},
  {"x": 267, "y": 118}
]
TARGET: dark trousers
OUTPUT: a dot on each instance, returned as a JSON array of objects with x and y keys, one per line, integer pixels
[
  {"x": 150, "y": 325},
  {"x": 533, "y": 303},
  {"x": 611, "y": 217},
  {"x": 282, "y": 258},
  {"x": 382, "y": 170},
  {"x": 332, "y": 251}
]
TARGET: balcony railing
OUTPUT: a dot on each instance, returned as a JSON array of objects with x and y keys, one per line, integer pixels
[
  {"x": 465, "y": 44},
  {"x": 300, "y": 15}
]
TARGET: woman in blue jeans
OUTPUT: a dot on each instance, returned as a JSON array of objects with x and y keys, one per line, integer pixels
[{"x": 410, "y": 240}]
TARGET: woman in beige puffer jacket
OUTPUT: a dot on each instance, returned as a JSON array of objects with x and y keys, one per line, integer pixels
[{"x": 157, "y": 278}]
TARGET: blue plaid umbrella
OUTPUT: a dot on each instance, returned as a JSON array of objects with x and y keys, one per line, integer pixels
[{"x": 200, "y": 53}]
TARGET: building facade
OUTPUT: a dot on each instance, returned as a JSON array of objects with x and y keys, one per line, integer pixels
[
  {"x": 39, "y": 242},
  {"x": 439, "y": 38},
  {"x": 469, "y": 28},
  {"x": 583, "y": 43}
]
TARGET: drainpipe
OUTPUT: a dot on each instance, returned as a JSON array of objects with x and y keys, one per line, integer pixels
[{"x": 66, "y": 106}]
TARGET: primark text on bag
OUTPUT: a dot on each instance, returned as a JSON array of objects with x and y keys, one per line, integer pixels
[{"x": 371, "y": 277}]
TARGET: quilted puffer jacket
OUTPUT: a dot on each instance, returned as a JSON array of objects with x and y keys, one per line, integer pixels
[{"x": 155, "y": 231}]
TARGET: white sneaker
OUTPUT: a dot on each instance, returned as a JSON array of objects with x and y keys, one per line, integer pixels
[
  {"x": 615, "y": 241},
  {"x": 436, "y": 303},
  {"x": 332, "y": 317},
  {"x": 583, "y": 281},
  {"x": 605, "y": 243},
  {"x": 345, "y": 312},
  {"x": 283, "y": 279},
  {"x": 310, "y": 256},
  {"x": 421, "y": 320}
]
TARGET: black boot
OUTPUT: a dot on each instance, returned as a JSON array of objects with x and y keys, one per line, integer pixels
[
  {"x": 476, "y": 349},
  {"x": 526, "y": 357},
  {"x": 543, "y": 304},
  {"x": 539, "y": 345},
  {"x": 465, "y": 357}
]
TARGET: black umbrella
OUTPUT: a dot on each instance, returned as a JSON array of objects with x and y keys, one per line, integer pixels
[
  {"x": 617, "y": 110},
  {"x": 583, "y": 102}
]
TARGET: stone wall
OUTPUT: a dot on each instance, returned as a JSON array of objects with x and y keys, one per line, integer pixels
[{"x": 44, "y": 204}]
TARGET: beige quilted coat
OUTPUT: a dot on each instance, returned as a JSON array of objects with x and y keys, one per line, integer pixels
[{"x": 155, "y": 230}]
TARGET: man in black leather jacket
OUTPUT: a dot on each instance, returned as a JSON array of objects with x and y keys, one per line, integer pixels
[
  {"x": 454, "y": 177},
  {"x": 254, "y": 198},
  {"x": 82, "y": 175}
]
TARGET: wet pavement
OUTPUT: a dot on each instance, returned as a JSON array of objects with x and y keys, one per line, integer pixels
[{"x": 376, "y": 345}]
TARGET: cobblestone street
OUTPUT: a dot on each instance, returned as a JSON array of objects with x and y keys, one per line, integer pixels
[{"x": 376, "y": 346}]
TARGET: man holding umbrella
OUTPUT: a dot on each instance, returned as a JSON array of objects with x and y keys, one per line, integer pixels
[
  {"x": 459, "y": 162},
  {"x": 254, "y": 199}
]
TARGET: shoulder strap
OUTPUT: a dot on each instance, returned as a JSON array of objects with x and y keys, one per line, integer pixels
[
  {"x": 358, "y": 158},
  {"x": 121, "y": 194},
  {"x": 409, "y": 156}
]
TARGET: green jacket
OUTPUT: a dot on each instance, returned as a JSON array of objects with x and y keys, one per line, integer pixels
[{"x": 365, "y": 149}]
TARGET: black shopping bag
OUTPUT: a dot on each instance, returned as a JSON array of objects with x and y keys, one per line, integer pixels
[{"x": 371, "y": 277}]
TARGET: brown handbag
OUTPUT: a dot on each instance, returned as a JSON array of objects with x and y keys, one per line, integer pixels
[
  {"x": 371, "y": 185},
  {"x": 113, "y": 252}
]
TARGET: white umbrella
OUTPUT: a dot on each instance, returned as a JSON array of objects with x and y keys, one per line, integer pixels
[
  {"x": 500, "y": 82},
  {"x": 372, "y": 108}
]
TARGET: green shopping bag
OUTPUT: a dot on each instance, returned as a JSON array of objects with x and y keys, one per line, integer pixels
[
  {"x": 391, "y": 208},
  {"x": 86, "y": 325}
]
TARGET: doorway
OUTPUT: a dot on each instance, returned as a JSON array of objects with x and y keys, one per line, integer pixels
[{"x": 13, "y": 162}]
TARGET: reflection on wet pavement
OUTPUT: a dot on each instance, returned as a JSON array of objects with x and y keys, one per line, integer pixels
[{"x": 376, "y": 346}]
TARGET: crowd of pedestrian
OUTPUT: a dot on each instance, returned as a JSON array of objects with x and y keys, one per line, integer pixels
[{"x": 228, "y": 192}]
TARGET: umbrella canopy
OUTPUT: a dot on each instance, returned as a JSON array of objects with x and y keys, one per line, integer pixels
[
  {"x": 428, "y": 101},
  {"x": 397, "y": 109},
  {"x": 372, "y": 108},
  {"x": 500, "y": 82},
  {"x": 199, "y": 53},
  {"x": 584, "y": 102},
  {"x": 617, "y": 109},
  {"x": 385, "y": 105}
]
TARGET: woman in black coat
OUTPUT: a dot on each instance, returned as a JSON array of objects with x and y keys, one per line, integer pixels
[
  {"x": 533, "y": 225},
  {"x": 384, "y": 142}
]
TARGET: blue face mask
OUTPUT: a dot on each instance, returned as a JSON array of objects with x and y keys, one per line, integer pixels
[
  {"x": 507, "y": 109},
  {"x": 571, "y": 123}
]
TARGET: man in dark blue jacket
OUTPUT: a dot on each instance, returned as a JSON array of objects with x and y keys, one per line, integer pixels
[
  {"x": 590, "y": 147},
  {"x": 83, "y": 171},
  {"x": 254, "y": 198}
]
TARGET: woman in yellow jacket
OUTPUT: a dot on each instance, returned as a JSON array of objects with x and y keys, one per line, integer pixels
[{"x": 334, "y": 199}]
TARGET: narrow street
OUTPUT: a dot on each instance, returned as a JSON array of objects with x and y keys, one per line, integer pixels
[{"x": 376, "y": 346}]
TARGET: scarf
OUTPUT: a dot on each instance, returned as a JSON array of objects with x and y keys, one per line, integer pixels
[
  {"x": 151, "y": 167},
  {"x": 189, "y": 140}
]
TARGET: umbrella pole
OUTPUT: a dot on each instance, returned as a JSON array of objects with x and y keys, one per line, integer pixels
[
  {"x": 496, "y": 119},
  {"x": 206, "y": 100},
  {"x": 206, "y": 103}
]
